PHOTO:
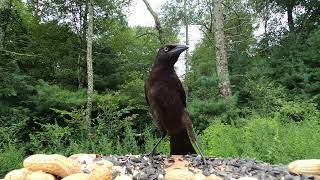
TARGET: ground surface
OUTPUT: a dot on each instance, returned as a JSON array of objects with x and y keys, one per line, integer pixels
[{"x": 146, "y": 168}]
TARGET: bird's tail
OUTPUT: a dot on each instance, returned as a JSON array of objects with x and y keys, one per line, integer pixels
[{"x": 180, "y": 144}]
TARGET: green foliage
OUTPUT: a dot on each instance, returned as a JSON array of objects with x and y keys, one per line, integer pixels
[
  {"x": 221, "y": 140},
  {"x": 271, "y": 139},
  {"x": 262, "y": 94},
  {"x": 11, "y": 158},
  {"x": 297, "y": 111},
  {"x": 52, "y": 96},
  {"x": 300, "y": 141},
  {"x": 128, "y": 144},
  {"x": 53, "y": 138},
  {"x": 261, "y": 138},
  {"x": 207, "y": 111}
]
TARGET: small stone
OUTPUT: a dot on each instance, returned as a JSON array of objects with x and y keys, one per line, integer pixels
[
  {"x": 118, "y": 169},
  {"x": 160, "y": 177},
  {"x": 135, "y": 172},
  {"x": 207, "y": 171},
  {"x": 290, "y": 177},
  {"x": 86, "y": 171},
  {"x": 223, "y": 174},
  {"x": 141, "y": 176},
  {"x": 236, "y": 175},
  {"x": 229, "y": 169},
  {"x": 129, "y": 170},
  {"x": 149, "y": 170},
  {"x": 135, "y": 159},
  {"x": 199, "y": 158},
  {"x": 157, "y": 157},
  {"x": 153, "y": 176}
]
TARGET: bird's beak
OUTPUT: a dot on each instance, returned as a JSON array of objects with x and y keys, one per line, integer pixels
[{"x": 178, "y": 49}]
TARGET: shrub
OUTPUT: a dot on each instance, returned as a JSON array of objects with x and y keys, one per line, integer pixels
[
  {"x": 300, "y": 140},
  {"x": 296, "y": 111},
  {"x": 53, "y": 139},
  {"x": 265, "y": 138},
  {"x": 261, "y": 138},
  {"x": 11, "y": 157},
  {"x": 221, "y": 140}
]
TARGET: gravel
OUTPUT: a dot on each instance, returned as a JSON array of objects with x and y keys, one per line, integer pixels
[{"x": 141, "y": 167}]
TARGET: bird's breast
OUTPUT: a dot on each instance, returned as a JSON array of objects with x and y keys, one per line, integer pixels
[{"x": 167, "y": 103}]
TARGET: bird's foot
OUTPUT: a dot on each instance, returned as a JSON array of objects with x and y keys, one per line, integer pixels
[
  {"x": 151, "y": 154},
  {"x": 204, "y": 160},
  {"x": 201, "y": 154}
]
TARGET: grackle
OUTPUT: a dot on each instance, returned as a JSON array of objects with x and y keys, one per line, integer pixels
[{"x": 167, "y": 100}]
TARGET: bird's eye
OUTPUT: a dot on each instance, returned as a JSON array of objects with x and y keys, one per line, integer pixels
[{"x": 166, "y": 49}]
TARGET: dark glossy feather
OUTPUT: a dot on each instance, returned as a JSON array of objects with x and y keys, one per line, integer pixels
[{"x": 167, "y": 100}]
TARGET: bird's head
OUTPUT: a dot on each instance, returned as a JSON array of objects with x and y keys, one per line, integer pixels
[{"x": 168, "y": 54}]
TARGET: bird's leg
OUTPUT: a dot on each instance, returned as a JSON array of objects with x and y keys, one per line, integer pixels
[
  {"x": 187, "y": 122},
  {"x": 200, "y": 151},
  {"x": 155, "y": 147}
]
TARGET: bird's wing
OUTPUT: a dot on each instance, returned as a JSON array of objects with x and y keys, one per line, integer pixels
[{"x": 181, "y": 93}]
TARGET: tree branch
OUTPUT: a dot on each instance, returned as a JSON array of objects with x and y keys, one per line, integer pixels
[
  {"x": 157, "y": 22},
  {"x": 20, "y": 54},
  {"x": 145, "y": 34}
]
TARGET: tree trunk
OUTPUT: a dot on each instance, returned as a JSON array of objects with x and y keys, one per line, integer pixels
[
  {"x": 221, "y": 54},
  {"x": 83, "y": 38},
  {"x": 89, "y": 62},
  {"x": 290, "y": 18},
  {"x": 157, "y": 22},
  {"x": 79, "y": 71}
]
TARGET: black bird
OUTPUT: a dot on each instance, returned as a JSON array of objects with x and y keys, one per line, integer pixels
[{"x": 167, "y": 100}]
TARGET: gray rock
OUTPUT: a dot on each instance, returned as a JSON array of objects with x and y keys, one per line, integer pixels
[{"x": 140, "y": 176}]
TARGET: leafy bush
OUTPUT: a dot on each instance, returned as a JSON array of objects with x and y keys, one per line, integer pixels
[
  {"x": 271, "y": 139},
  {"x": 127, "y": 144},
  {"x": 53, "y": 139},
  {"x": 297, "y": 110},
  {"x": 262, "y": 94},
  {"x": 53, "y": 96},
  {"x": 261, "y": 138},
  {"x": 221, "y": 140},
  {"x": 300, "y": 141},
  {"x": 12, "y": 146},
  {"x": 11, "y": 157},
  {"x": 203, "y": 112}
]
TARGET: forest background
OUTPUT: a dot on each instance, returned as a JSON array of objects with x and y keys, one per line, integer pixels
[{"x": 272, "y": 114}]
